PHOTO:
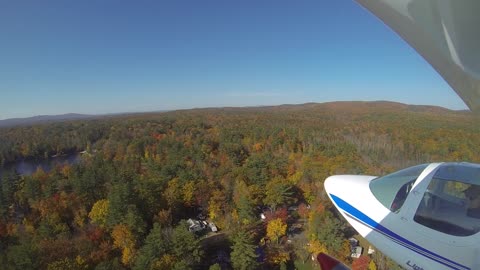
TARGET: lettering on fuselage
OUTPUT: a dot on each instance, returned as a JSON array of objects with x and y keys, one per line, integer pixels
[{"x": 414, "y": 266}]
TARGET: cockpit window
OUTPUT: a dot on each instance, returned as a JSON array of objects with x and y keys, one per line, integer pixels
[
  {"x": 451, "y": 203},
  {"x": 392, "y": 190}
]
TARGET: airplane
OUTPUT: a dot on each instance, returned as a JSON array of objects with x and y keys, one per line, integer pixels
[
  {"x": 426, "y": 216},
  {"x": 422, "y": 217}
]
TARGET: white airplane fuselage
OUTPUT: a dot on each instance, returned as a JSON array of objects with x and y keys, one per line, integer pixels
[{"x": 397, "y": 233}]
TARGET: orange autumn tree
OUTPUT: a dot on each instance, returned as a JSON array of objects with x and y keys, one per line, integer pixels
[
  {"x": 361, "y": 263},
  {"x": 124, "y": 240}
]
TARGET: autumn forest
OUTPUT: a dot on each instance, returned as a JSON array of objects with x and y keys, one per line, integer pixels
[{"x": 223, "y": 188}]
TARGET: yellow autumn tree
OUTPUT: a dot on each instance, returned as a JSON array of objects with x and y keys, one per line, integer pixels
[
  {"x": 277, "y": 256},
  {"x": 276, "y": 228},
  {"x": 124, "y": 240},
  {"x": 188, "y": 192},
  {"x": 173, "y": 193},
  {"x": 216, "y": 204},
  {"x": 316, "y": 247},
  {"x": 295, "y": 177},
  {"x": 128, "y": 255},
  {"x": 99, "y": 212},
  {"x": 372, "y": 265},
  {"x": 165, "y": 262},
  {"x": 72, "y": 264},
  {"x": 80, "y": 217}
]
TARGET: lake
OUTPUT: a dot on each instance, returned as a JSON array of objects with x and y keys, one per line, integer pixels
[{"x": 29, "y": 166}]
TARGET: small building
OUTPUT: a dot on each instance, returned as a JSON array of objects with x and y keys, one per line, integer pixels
[
  {"x": 370, "y": 250},
  {"x": 357, "y": 252},
  {"x": 212, "y": 227},
  {"x": 292, "y": 208},
  {"x": 195, "y": 225},
  {"x": 353, "y": 242}
]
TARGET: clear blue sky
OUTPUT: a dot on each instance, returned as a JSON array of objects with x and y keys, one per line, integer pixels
[{"x": 121, "y": 56}]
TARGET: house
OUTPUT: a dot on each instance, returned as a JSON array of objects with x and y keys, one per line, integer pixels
[
  {"x": 370, "y": 250},
  {"x": 195, "y": 225}
]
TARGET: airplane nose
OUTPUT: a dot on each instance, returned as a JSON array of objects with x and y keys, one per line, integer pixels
[
  {"x": 349, "y": 194},
  {"x": 332, "y": 183},
  {"x": 348, "y": 187}
]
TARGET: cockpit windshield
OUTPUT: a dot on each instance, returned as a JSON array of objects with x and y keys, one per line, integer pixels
[
  {"x": 392, "y": 190},
  {"x": 451, "y": 203}
]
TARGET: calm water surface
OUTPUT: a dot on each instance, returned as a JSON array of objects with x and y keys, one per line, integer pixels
[{"x": 29, "y": 166}]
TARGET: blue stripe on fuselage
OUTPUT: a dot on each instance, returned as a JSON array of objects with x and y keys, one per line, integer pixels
[{"x": 367, "y": 221}]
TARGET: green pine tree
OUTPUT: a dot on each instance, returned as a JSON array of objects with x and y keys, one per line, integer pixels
[{"x": 243, "y": 252}]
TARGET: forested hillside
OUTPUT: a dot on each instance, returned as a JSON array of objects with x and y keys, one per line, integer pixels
[{"x": 125, "y": 205}]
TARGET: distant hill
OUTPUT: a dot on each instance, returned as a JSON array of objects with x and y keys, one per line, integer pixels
[
  {"x": 338, "y": 107},
  {"x": 378, "y": 106},
  {"x": 343, "y": 107},
  {"x": 43, "y": 119}
]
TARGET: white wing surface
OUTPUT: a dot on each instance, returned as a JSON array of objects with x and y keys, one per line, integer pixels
[{"x": 445, "y": 32}]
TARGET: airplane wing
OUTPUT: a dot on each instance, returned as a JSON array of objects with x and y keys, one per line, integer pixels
[{"x": 445, "y": 32}]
